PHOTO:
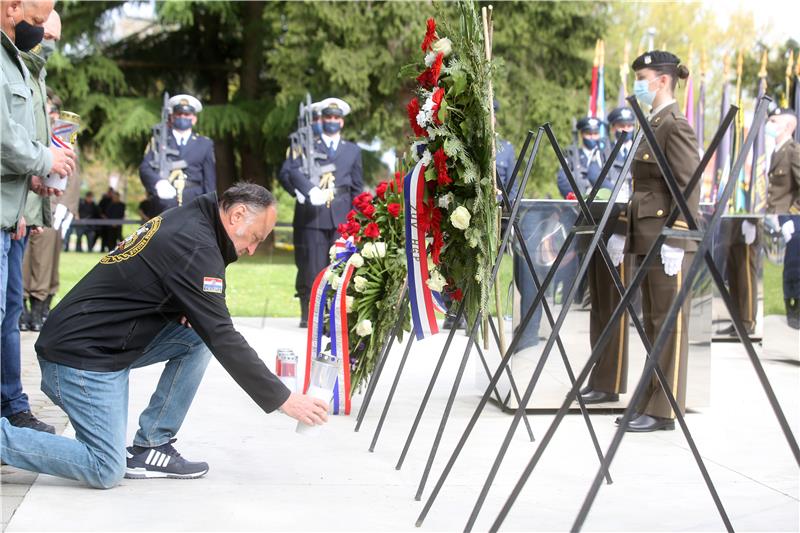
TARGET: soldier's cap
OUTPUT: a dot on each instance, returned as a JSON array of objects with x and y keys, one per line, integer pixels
[
  {"x": 185, "y": 103},
  {"x": 334, "y": 107},
  {"x": 655, "y": 58},
  {"x": 781, "y": 111},
  {"x": 621, "y": 114},
  {"x": 589, "y": 124}
]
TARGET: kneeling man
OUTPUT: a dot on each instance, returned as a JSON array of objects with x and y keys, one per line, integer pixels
[{"x": 158, "y": 297}]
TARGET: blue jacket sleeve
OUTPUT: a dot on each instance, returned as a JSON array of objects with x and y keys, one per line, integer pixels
[
  {"x": 147, "y": 173},
  {"x": 210, "y": 170}
]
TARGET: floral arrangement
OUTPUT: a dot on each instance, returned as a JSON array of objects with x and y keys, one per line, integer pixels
[
  {"x": 450, "y": 118},
  {"x": 455, "y": 213}
]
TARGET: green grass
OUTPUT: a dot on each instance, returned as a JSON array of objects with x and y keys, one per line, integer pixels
[
  {"x": 773, "y": 289},
  {"x": 261, "y": 285}
]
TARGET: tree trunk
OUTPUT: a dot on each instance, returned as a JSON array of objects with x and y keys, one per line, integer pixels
[{"x": 254, "y": 166}]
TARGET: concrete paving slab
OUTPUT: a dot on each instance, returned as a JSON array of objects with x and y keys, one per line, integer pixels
[{"x": 264, "y": 476}]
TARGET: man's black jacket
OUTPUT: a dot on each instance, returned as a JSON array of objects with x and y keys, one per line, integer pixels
[{"x": 173, "y": 266}]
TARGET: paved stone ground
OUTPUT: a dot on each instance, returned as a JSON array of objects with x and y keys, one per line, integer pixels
[{"x": 265, "y": 477}]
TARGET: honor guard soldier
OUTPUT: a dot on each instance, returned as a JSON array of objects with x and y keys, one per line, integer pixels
[
  {"x": 610, "y": 374},
  {"x": 191, "y": 155},
  {"x": 323, "y": 201},
  {"x": 783, "y": 200},
  {"x": 657, "y": 74},
  {"x": 506, "y": 159},
  {"x": 587, "y": 160}
]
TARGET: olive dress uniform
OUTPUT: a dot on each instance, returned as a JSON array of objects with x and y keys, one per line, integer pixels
[
  {"x": 650, "y": 204},
  {"x": 743, "y": 263}
]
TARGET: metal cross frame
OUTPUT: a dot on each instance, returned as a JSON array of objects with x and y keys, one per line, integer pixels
[{"x": 703, "y": 255}]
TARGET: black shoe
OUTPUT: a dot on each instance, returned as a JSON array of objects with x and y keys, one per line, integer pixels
[
  {"x": 37, "y": 307},
  {"x": 26, "y": 419},
  {"x": 46, "y": 307},
  {"x": 25, "y": 316},
  {"x": 793, "y": 312},
  {"x": 303, "y": 323},
  {"x": 730, "y": 330},
  {"x": 449, "y": 322},
  {"x": 161, "y": 462},
  {"x": 303, "y": 312},
  {"x": 647, "y": 423},
  {"x": 618, "y": 420},
  {"x": 594, "y": 396}
]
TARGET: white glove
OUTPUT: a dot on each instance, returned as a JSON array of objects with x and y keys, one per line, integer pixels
[
  {"x": 748, "y": 232},
  {"x": 317, "y": 196},
  {"x": 165, "y": 190},
  {"x": 616, "y": 248},
  {"x": 788, "y": 230},
  {"x": 671, "y": 258},
  {"x": 300, "y": 198}
]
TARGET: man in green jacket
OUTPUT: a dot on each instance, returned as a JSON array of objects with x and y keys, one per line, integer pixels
[{"x": 24, "y": 161}]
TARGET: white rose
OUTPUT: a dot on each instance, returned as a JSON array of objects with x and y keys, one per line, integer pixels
[
  {"x": 380, "y": 249},
  {"x": 460, "y": 217},
  {"x": 364, "y": 328},
  {"x": 443, "y": 45},
  {"x": 356, "y": 260},
  {"x": 360, "y": 283},
  {"x": 436, "y": 281},
  {"x": 335, "y": 282},
  {"x": 348, "y": 303},
  {"x": 430, "y": 57},
  {"x": 368, "y": 251}
]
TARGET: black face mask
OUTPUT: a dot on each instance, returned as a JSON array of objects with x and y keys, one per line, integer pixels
[
  {"x": 26, "y": 36},
  {"x": 625, "y": 136}
]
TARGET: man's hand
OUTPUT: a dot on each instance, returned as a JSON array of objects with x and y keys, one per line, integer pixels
[
  {"x": 38, "y": 186},
  {"x": 63, "y": 161},
  {"x": 20, "y": 232},
  {"x": 616, "y": 248},
  {"x": 788, "y": 230},
  {"x": 748, "y": 232},
  {"x": 308, "y": 410},
  {"x": 185, "y": 322},
  {"x": 671, "y": 258},
  {"x": 317, "y": 196},
  {"x": 165, "y": 190}
]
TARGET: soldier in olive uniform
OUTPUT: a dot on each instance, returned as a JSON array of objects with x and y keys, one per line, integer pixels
[
  {"x": 744, "y": 252},
  {"x": 610, "y": 374},
  {"x": 657, "y": 73},
  {"x": 783, "y": 200}
]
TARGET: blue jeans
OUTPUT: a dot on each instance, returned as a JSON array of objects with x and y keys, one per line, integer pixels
[
  {"x": 97, "y": 406},
  {"x": 12, "y": 399},
  {"x": 5, "y": 244}
]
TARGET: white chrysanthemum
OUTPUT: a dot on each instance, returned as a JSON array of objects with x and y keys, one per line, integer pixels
[
  {"x": 426, "y": 158},
  {"x": 364, "y": 328},
  {"x": 436, "y": 281},
  {"x": 430, "y": 57},
  {"x": 360, "y": 283}
]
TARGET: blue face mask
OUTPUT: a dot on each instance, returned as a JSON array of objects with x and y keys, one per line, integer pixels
[
  {"x": 770, "y": 130},
  {"x": 641, "y": 88},
  {"x": 316, "y": 127},
  {"x": 182, "y": 123},
  {"x": 591, "y": 144},
  {"x": 623, "y": 136},
  {"x": 331, "y": 127}
]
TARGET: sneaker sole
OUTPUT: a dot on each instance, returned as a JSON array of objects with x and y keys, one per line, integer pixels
[{"x": 142, "y": 473}]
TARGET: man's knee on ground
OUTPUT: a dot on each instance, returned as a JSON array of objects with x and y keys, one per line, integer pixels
[{"x": 108, "y": 475}]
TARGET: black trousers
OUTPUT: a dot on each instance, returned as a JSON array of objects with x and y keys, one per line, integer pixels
[{"x": 311, "y": 255}]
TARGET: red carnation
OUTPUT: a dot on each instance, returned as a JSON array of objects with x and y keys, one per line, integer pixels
[
  {"x": 394, "y": 209},
  {"x": 438, "y": 243},
  {"x": 458, "y": 295},
  {"x": 413, "y": 109},
  {"x": 430, "y": 77},
  {"x": 430, "y": 35},
  {"x": 398, "y": 181},
  {"x": 372, "y": 231},
  {"x": 380, "y": 190},
  {"x": 437, "y": 97},
  {"x": 368, "y": 210},
  {"x": 440, "y": 160}
]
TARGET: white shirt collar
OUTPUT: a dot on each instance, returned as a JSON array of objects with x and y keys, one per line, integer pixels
[
  {"x": 326, "y": 140},
  {"x": 660, "y": 108},
  {"x": 181, "y": 135}
]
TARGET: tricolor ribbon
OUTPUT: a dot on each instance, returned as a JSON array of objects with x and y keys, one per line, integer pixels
[
  {"x": 422, "y": 303},
  {"x": 58, "y": 141},
  {"x": 344, "y": 249}
]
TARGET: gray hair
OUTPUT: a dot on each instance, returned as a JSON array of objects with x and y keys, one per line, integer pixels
[{"x": 254, "y": 197}]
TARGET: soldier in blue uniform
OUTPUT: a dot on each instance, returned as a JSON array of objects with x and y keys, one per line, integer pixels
[
  {"x": 587, "y": 160},
  {"x": 322, "y": 204},
  {"x": 199, "y": 176}
]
